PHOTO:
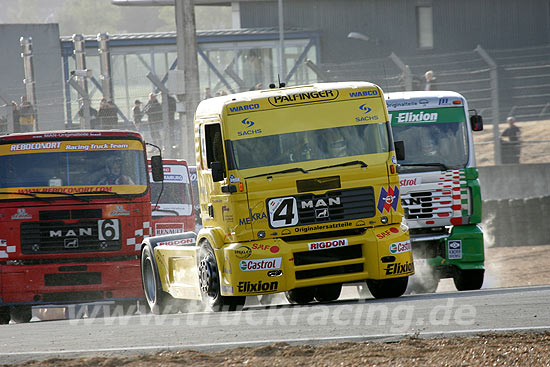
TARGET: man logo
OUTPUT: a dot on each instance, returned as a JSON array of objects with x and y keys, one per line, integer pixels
[
  {"x": 321, "y": 213},
  {"x": 71, "y": 242},
  {"x": 247, "y": 122},
  {"x": 365, "y": 108}
]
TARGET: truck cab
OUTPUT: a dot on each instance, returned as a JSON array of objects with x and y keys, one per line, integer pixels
[
  {"x": 172, "y": 200},
  {"x": 299, "y": 194},
  {"x": 440, "y": 190}
]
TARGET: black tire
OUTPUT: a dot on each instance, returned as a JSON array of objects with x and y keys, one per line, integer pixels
[
  {"x": 468, "y": 280},
  {"x": 159, "y": 301},
  {"x": 388, "y": 288},
  {"x": 21, "y": 314},
  {"x": 328, "y": 292},
  {"x": 4, "y": 315},
  {"x": 209, "y": 277},
  {"x": 300, "y": 296}
]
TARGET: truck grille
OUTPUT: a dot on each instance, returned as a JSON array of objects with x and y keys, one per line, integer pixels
[
  {"x": 57, "y": 237},
  {"x": 335, "y": 270},
  {"x": 336, "y": 205},
  {"x": 324, "y": 256},
  {"x": 71, "y": 279},
  {"x": 419, "y": 205}
]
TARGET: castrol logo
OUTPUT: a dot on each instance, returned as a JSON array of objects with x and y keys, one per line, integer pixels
[
  {"x": 400, "y": 247},
  {"x": 325, "y": 245},
  {"x": 404, "y": 182}
]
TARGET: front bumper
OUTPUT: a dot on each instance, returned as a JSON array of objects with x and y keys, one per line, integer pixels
[
  {"x": 71, "y": 282},
  {"x": 273, "y": 265},
  {"x": 462, "y": 248}
]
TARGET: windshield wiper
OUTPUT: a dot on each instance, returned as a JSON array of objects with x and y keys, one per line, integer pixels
[
  {"x": 66, "y": 194},
  {"x": 166, "y": 211},
  {"x": 103, "y": 192},
  {"x": 351, "y": 163},
  {"x": 440, "y": 165},
  {"x": 283, "y": 171},
  {"x": 31, "y": 194}
]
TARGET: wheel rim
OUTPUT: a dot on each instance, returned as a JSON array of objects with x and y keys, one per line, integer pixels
[
  {"x": 149, "y": 282},
  {"x": 208, "y": 277}
]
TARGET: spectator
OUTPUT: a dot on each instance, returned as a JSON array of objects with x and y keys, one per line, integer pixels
[
  {"x": 26, "y": 116},
  {"x": 416, "y": 82},
  {"x": 430, "y": 81},
  {"x": 511, "y": 148},
  {"x": 15, "y": 114},
  {"x": 171, "y": 110},
  {"x": 138, "y": 113},
  {"x": 153, "y": 110},
  {"x": 93, "y": 116},
  {"x": 107, "y": 114}
]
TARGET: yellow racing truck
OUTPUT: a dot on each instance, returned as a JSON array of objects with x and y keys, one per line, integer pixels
[{"x": 299, "y": 194}]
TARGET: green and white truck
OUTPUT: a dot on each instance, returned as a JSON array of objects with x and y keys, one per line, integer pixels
[{"x": 439, "y": 185}]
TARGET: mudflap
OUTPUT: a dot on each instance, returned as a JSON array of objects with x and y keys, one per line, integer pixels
[{"x": 464, "y": 248}]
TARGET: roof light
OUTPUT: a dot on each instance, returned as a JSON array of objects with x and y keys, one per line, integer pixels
[{"x": 457, "y": 101}]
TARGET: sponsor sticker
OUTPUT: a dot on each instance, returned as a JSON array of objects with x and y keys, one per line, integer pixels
[
  {"x": 398, "y": 268},
  {"x": 261, "y": 264},
  {"x": 119, "y": 210},
  {"x": 405, "y": 182},
  {"x": 21, "y": 214},
  {"x": 388, "y": 199},
  {"x": 180, "y": 242},
  {"x": 455, "y": 249},
  {"x": 257, "y": 286},
  {"x": 243, "y": 252},
  {"x": 400, "y": 247},
  {"x": 168, "y": 228},
  {"x": 324, "y": 245}
]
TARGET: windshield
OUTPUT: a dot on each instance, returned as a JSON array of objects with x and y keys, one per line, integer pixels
[
  {"x": 434, "y": 143},
  {"x": 176, "y": 197},
  {"x": 438, "y": 141},
  {"x": 74, "y": 167},
  {"x": 347, "y": 141}
]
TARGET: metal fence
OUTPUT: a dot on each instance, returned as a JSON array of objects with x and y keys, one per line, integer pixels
[{"x": 497, "y": 83}]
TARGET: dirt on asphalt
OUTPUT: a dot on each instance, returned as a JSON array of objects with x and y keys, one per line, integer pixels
[{"x": 505, "y": 267}]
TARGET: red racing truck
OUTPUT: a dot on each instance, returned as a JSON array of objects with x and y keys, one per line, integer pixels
[
  {"x": 174, "y": 211},
  {"x": 74, "y": 208}
]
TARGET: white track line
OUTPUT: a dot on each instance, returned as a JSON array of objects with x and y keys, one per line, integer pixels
[{"x": 295, "y": 340}]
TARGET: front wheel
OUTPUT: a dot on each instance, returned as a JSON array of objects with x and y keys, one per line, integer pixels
[
  {"x": 159, "y": 302},
  {"x": 209, "y": 278},
  {"x": 328, "y": 292},
  {"x": 300, "y": 296},
  {"x": 4, "y": 315},
  {"x": 387, "y": 288},
  {"x": 468, "y": 279},
  {"x": 21, "y": 314}
]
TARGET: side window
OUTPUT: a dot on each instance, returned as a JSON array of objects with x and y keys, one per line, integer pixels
[{"x": 214, "y": 145}]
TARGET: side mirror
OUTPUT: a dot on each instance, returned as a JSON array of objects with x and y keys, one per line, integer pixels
[
  {"x": 217, "y": 171},
  {"x": 400, "y": 150},
  {"x": 476, "y": 121},
  {"x": 157, "y": 169}
]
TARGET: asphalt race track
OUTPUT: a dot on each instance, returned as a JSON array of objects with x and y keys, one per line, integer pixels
[{"x": 426, "y": 315}]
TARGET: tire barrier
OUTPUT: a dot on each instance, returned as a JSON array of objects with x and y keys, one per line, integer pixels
[{"x": 516, "y": 222}]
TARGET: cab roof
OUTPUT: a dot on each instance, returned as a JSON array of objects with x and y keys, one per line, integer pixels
[{"x": 214, "y": 106}]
